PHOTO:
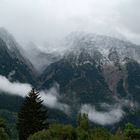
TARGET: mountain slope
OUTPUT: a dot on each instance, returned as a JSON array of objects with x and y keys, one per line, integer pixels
[
  {"x": 96, "y": 69},
  {"x": 39, "y": 59},
  {"x": 13, "y": 65}
]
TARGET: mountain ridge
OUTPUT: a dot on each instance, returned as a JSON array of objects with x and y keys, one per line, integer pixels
[{"x": 91, "y": 71}]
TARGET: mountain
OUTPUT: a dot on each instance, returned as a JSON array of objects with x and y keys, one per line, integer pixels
[
  {"x": 13, "y": 65},
  {"x": 96, "y": 69},
  {"x": 39, "y": 59},
  {"x": 113, "y": 57}
]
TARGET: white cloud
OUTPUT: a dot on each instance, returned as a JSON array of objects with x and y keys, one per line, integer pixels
[
  {"x": 50, "y": 97},
  {"x": 130, "y": 15},
  {"x": 114, "y": 115},
  {"x": 111, "y": 114},
  {"x": 14, "y": 88},
  {"x": 39, "y": 20}
]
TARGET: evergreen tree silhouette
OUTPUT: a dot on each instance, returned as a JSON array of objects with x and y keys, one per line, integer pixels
[{"x": 32, "y": 116}]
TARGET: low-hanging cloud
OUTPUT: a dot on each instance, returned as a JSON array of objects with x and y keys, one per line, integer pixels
[
  {"x": 14, "y": 88},
  {"x": 111, "y": 114},
  {"x": 50, "y": 97},
  {"x": 114, "y": 115}
]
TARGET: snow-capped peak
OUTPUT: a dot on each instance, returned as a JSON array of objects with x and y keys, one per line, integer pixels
[{"x": 108, "y": 48}]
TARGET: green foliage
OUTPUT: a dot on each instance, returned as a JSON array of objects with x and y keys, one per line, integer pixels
[
  {"x": 119, "y": 136},
  {"x": 32, "y": 117},
  {"x": 4, "y": 131},
  {"x": 82, "y": 121},
  {"x": 82, "y": 127},
  {"x": 82, "y": 134},
  {"x": 101, "y": 134},
  {"x": 55, "y": 132},
  {"x": 3, "y": 134},
  {"x": 3, "y": 125},
  {"x": 11, "y": 119},
  {"x": 131, "y": 132}
]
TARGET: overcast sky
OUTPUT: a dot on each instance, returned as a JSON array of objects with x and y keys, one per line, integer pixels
[{"x": 41, "y": 20}]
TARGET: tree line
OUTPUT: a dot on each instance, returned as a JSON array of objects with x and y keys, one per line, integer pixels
[{"x": 33, "y": 124}]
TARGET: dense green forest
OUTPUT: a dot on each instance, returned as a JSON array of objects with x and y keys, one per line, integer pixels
[{"x": 33, "y": 124}]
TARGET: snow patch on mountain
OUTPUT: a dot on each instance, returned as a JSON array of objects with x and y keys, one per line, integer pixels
[{"x": 103, "y": 49}]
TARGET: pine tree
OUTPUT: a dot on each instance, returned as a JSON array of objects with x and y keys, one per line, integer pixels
[
  {"x": 32, "y": 116},
  {"x": 4, "y": 131},
  {"x": 82, "y": 121}
]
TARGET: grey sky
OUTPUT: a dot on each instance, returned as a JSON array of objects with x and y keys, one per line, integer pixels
[{"x": 42, "y": 20}]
